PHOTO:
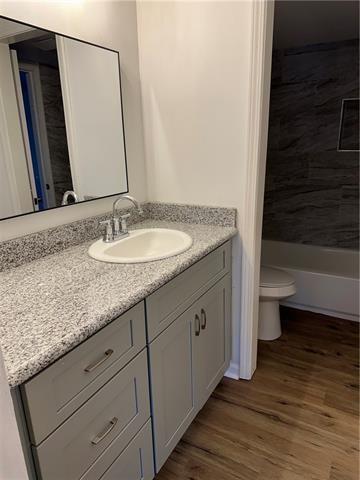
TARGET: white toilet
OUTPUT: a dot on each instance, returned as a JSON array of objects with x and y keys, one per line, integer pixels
[{"x": 275, "y": 285}]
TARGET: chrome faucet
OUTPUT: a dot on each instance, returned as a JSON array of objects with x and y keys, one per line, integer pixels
[
  {"x": 116, "y": 227},
  {"x": 67, "y": 194}
]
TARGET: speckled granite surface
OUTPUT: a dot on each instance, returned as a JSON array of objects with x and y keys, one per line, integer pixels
[
  {"x": 174, "y": 212},
  {"x": 50, "y": 305},
  {"x": 19, "y": 251}
]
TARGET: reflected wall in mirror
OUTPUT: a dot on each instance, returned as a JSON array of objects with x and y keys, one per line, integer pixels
[{"x": 61, "y": 121}]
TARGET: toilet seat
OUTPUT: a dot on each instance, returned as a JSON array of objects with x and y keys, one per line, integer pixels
[
  {"x": 274, "y": 278},
  {"x": 275, "y": 283}
]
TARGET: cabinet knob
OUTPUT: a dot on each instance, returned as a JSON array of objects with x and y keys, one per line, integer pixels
[
  {"x": 203, "y": 319},
  {"x": 197, "y": 325}
]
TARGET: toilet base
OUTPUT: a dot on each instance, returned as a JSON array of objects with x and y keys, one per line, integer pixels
[{"x": 269, "y": 320}]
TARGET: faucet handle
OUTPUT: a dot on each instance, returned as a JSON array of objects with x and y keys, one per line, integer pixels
[
  {"x": 116, "y": 226},
  {"x": 123, "y": 219},
  {"x": 108, "y": 230}
]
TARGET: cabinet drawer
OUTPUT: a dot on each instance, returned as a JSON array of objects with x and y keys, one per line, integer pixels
[
  {"x": 134, "y": 463},
  {"x": 117, "y": 411},
  {"x": 54, "y": 394},
  {"x": 167, "y": 303}
]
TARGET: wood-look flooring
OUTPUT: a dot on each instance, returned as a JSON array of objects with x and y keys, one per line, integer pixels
[{"x": 297, "y": 419}]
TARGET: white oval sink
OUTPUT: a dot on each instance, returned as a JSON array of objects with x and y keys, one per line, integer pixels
[{"x": 145, "y": 245}]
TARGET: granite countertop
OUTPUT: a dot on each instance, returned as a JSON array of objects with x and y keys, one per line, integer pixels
[{"x": 52, "y": 304}]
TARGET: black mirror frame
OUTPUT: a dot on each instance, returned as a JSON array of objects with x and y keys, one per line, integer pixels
[{"x": 122, "y": 116}]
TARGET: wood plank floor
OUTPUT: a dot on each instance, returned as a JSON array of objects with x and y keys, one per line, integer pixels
[{"x": 296, "y": 420}]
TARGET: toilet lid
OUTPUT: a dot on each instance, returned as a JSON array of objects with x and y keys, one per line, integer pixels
[{"x": 273, "y": 277}]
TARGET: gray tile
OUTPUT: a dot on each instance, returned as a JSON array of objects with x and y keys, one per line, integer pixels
[
  {"x": 306, "y": 194},
  {"x": 56, "y": 131},
  {"x": 334, "y": 168},
  {"x": 282, "y": 169}
]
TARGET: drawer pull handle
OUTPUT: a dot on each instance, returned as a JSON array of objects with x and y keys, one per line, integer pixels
[
  {"x": 203, "y": 319},
  {"x": 105, "y": 432},
  {"x": 197, "y": 325},
  {"x": 95, "y": 365}
]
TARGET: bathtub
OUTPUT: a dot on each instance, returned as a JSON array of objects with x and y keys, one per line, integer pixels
[{"x": 327, "y": 279}]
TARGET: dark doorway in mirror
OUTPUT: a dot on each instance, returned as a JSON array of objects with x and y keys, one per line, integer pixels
[{"x": 41, "y": 95}]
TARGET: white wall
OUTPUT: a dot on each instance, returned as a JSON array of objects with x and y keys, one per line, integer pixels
[
  {"x": 111, "y": 24},
  {"x": 195, "y": 72}
]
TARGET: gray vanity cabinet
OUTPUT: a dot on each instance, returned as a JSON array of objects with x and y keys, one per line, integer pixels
[
  {"x": 88, "y": 415},
  {"x": 187, "y": 360},
  {"x": 172, "y": 384}
]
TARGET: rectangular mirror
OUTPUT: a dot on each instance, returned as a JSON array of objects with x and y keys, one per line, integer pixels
[{"x": 61, "y": 121}]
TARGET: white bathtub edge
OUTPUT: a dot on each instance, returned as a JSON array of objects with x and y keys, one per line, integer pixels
[{"x": 328, "y": 294}]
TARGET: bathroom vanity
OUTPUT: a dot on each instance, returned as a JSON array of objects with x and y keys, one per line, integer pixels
[
  {"x": 112, "y": 401},
  {"x": 109, "y": 355}
]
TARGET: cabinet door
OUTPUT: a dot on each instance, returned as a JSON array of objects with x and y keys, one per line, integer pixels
[
  {"x": 172, "y": 386},
  {"x": 212, "y": 353}
]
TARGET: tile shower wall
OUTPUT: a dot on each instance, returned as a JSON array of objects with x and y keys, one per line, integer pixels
[
  {"x": 56, "y": 131},
  {"x": 311, "y": 189}
]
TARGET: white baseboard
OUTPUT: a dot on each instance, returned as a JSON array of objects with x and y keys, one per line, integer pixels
[
  {"x": 233, "y": 371},
  {"x": 324, "y": 311}
]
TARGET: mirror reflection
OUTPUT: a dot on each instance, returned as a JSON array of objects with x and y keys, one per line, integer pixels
[{"x": 61, "y": 122}]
